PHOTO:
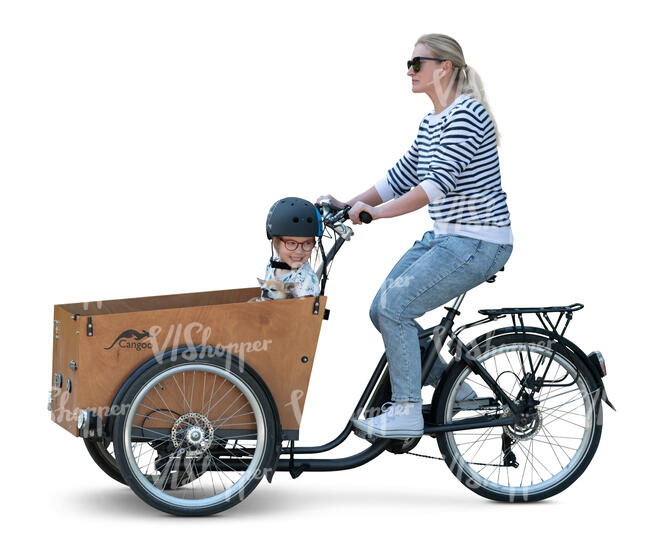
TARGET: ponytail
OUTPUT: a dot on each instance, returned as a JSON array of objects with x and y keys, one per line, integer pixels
[{"x": 464, "y": 77}]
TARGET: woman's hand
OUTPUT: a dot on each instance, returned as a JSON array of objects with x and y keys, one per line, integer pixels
[
  {"x": 332, "y": 199},
  {"x": 356, "y": 210}
]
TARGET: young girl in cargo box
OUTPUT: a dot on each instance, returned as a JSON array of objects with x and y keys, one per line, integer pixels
[{"x": 292, "y": 225}]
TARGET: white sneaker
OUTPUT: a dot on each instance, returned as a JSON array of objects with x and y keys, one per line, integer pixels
[
  {"x": 400, "y": 420},
  {"x": 465, "y": 392}
]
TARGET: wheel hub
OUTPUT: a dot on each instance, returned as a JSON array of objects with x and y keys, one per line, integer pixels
[
  {"x": 527, "y": 426},
  {"x": 194, "y": 432}
]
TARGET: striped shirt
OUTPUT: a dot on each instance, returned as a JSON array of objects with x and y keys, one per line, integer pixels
[{"x": 454, "y": 158}]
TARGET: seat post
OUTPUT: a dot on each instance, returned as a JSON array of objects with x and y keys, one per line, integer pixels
[
  {"x": 458, "y": 300},
  {"x": 440, "y": 334}
]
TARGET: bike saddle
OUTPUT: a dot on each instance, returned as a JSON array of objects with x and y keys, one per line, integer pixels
[{"x": 494, "y": 276}]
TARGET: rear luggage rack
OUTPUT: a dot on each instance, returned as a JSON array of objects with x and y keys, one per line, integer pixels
[
  {"x": 534, "y": 310},
  {"x": 542, "y": 313}
]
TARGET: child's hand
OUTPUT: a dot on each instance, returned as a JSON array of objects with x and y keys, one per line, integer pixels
[{"x": 332, "y": 199}]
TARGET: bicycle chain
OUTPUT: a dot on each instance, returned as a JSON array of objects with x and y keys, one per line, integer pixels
[{"x": 442, "y": 458}]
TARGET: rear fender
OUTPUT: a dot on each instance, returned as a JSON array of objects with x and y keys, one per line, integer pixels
[{"x": 577, "y": 354}]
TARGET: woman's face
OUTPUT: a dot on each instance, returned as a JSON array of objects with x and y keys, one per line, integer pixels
[
  {"x": 296, "y": 258},
  {"x": 431, "y": 76}
]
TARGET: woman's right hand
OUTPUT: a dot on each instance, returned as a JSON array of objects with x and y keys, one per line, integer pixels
[{"x": 332, "y": 200}]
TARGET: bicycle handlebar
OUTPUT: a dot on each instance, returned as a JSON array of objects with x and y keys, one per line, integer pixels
[
  {"x": 341, "y": 214},
  {"x": 365, "y": 217}
]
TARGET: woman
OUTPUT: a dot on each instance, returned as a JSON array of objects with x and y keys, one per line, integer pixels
[{"x": 453, "y": 166}]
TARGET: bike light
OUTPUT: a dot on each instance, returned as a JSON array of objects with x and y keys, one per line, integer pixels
[
  {"x": 597, "y": 359},
  {"x": 82, "y": 419}
]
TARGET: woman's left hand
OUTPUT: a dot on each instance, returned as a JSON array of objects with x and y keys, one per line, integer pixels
[{"x": 357, "y": 208}]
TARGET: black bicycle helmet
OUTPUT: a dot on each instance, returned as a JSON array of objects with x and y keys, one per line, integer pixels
[{"x": 293, "y": 217}]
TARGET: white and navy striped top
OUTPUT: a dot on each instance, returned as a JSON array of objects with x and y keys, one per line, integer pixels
[{"x": 454, "y": 158}]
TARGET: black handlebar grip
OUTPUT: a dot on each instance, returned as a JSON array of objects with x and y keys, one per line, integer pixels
[{"x": 365, "y": 217}]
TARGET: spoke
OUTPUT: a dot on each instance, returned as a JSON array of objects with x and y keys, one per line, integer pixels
[
  {"x": 553, "y": 449},
  {"x": 155, "y": 387},
  {"x": 207, "y": 413},
  {"x": 551, "y": 435},
  {"x": 582, "y": 397},
  {"x": 159, "y": 410},
  {"x": 490, "y": 437},
  {"x": 555, "y": 415},
  {"x": 219, "y": 418},
  {"x": 514, "y": 385},
  {"x": 498, "y": 457},
  {"x": 539, "y": 461},
  {"x": 561, "y": 394},
  {"x": 554, "y": 444},
  {"x": 192, "y": 393},
  {"x": 485, "y": 433},
  {"x": 214, "y": 380},
  {"x": 567, "y": 420},
  {"x": 182, "y": 391}
]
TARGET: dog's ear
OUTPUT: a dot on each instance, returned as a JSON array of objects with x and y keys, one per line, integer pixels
[
  {"x": 260, "y": 281},
  {"x": 289, "y": 286}
]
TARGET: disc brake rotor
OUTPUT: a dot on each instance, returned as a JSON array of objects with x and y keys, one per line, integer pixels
[{"x": 194, "y": 432}]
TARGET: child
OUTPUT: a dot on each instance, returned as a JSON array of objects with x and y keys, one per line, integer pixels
[
  {"x": 292, "y": 225},
  {"x": 295, "y": 252}
]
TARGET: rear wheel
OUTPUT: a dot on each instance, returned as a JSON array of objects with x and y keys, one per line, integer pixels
[
  {"x": 549, "y": 448},
  {"x": 197, "y": 436}
]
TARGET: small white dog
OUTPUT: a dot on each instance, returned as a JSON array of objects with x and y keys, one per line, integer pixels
[{"x": 275, "y": 290}]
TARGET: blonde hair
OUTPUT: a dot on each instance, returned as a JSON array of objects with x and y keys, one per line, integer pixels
[{"x": 464, "y": 78}]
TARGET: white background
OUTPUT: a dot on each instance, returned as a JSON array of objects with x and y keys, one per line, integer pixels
[{"x": 141, "y": 146}]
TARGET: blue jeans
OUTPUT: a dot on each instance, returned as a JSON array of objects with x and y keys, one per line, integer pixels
[{"x": 435, "y": 270}]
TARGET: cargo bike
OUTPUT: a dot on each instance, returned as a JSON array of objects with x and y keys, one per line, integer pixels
[{"x": 192, "y": 399}]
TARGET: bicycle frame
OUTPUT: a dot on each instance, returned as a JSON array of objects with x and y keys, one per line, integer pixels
[{"x": 439, "y": 335}]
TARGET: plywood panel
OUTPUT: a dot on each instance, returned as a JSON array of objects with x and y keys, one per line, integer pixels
[
  {"x": 180, "y": 300},
  {"x": 65, "y": 348},
  {"x": 273, "y": 337}
]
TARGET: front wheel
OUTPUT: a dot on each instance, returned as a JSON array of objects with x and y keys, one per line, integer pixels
[
  {"x": 544, "y": 452},
  {"x": 102, "y": 453},
  {"x": 197, "y": 435}
]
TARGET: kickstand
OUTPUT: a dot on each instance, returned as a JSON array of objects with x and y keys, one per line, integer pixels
[{"x": 294, "y": 472}]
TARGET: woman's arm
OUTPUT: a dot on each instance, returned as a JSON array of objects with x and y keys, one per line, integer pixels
[
  {"x": 410, "y": 201},
  {"x": 370, "y": 197}
]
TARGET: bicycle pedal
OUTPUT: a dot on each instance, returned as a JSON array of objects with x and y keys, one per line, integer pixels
[{"x": 367, "y": 437}]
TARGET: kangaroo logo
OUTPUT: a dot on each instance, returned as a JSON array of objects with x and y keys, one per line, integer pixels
[{"x": 129, "y": 334}]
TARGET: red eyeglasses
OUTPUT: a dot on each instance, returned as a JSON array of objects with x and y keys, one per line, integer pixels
[{"x": 292, "y": 245}]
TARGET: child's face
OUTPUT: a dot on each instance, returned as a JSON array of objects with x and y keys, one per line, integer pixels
[{"x": 297, "y": 257}]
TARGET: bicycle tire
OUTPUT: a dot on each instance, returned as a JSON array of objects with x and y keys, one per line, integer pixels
[
  {"x": 141, "y": 481},
  {"x": 98, "y": 450},
  {"x": 464, "y": 470}
]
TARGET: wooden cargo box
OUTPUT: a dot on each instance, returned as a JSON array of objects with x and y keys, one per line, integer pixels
[{"x": 98, "y": 345}]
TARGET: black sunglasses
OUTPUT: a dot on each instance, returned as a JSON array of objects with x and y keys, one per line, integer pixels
[{"x": 416, "y": 62}]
